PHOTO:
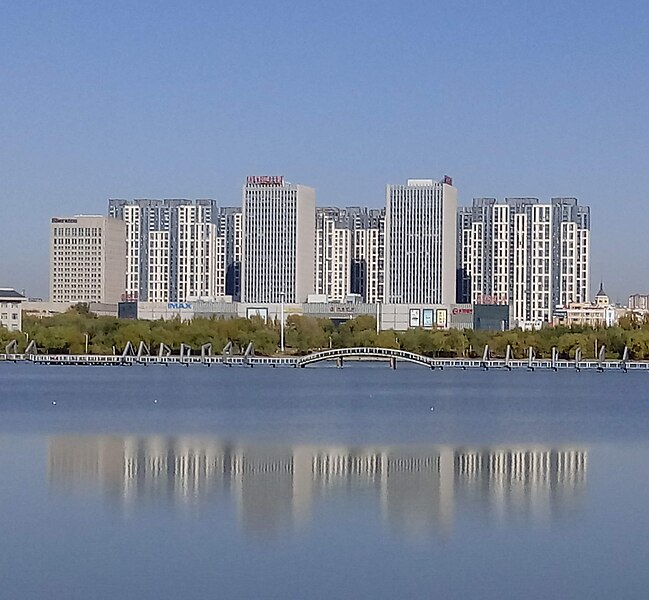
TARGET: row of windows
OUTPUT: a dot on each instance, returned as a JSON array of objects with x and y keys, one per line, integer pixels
[{"x": 77, "y": 231}]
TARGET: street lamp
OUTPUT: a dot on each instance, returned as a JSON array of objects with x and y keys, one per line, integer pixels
[
  {"x": 87, "y": 337},
  {"x": 281, "y": 318}
]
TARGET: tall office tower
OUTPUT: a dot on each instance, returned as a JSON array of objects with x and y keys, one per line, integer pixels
[
  {"x": 174, "y": 250},
  {"x": 520, "y": 252},
  {"x": 231, "y": 228},
  {"x": 368, "y": 253},
  {"x": 279, "y": 239},
  {"x": 333, "y": 258},
  {"x": 420, "y": 253},
  {"x": 87, "y": 259}
]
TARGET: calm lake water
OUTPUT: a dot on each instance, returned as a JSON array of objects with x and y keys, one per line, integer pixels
[{"x": 362, "y": 482}]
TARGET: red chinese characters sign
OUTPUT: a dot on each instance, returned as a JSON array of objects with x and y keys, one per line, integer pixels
[{"x": 265, "y": 180}]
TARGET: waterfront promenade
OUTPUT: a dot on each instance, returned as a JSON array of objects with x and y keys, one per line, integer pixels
[{"x": 337, "y": 357}]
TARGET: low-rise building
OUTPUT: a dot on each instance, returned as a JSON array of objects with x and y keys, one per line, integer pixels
[
  {"x": 11, "y": 309},
  {"x": 599, "y": 313},
  {"x": 398, "y": 317}
]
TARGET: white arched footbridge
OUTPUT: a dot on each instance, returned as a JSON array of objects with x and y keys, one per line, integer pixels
[{"x": 339, "y": 354}]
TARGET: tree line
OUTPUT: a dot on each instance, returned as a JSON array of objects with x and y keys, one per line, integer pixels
[{"x": 68, "y": 333}]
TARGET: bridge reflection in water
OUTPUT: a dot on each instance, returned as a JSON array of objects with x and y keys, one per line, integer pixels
[{"x": 417, "y": 489}]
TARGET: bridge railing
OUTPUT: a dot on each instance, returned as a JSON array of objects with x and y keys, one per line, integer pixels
[{"x": 363, "y": 351}]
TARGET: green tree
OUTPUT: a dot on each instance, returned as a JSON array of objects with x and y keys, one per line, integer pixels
[
  {"x": 638, "y": 343},
  {"x": 387, "y": 339},
  {"x": 629, "y": 321}
]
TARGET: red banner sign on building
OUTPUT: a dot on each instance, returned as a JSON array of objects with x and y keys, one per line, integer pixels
[{"x": 265, "y": 180}]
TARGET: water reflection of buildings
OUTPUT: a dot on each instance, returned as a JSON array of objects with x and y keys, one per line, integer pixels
[{"x": 415, "y": 488}]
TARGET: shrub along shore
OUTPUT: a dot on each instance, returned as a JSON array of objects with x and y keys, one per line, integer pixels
[{"x": 66, "y": 333}]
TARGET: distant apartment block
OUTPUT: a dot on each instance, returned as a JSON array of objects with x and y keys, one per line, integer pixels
[
  {"x": 201, "y": 255},
  {"x": 231, "y": 227},
  {"x": 176, "y": 249},
  {"x": 421, "y": 249},
  {"x": 349, "y": 253},
  {"x": 368, "y": 254},
  {"x": 277, "y": 261},
  {"x": 333, "y": 253},
  {"x": 639, "y": 302},
  {"x": 87, "y": 259},
  {"x": 11, "y": 309},
  {"x": 420, "y": 235},
  {"x": 533, "y": 256}
]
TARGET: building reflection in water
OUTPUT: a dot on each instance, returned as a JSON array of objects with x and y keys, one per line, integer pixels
[{"x": 416, "y": 489}]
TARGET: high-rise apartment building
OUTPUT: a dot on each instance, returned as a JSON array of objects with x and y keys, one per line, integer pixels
[
  {"x": 420, "y": 253},
  {"x": 368, "y": 254},
  {"x": 151, "y": 227},
  {"x": 533, "y": 256},
  {"x": 349, "y": 253},
  {"x": 201, "y": 255},
  {"x": 571, "y": 257},
  {"x": 638, "y": 302},
  {"x": 231, "y": 227},
  {"x": 333, "y": 253},
  {"x": 87, "y": 259},
  {"x": 176, "y": 250},
  {"x": 277, "y": 261}
]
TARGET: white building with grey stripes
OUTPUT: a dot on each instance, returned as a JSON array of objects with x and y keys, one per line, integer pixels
[
  {"x": 175, "y": 248},
  {"x": 531, "y": 255}
]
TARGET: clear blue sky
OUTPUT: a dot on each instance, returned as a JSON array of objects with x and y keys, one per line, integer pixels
[{"x": 184, "y": 99}]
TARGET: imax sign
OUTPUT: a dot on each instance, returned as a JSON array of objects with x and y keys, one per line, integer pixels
[{"x": 179, "y": 305}]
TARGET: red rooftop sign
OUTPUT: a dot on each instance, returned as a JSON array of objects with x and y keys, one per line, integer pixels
[{"x": 265, "y": 180}]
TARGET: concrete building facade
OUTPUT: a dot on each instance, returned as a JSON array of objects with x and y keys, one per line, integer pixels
[
  {"x": 87, "y": 259},
  {"x": 398, "y": 317},
  {"x": 201, "y": 255},
  {"x": 176, "y": 248},
  {"x": 599, "y": 313},
  {"x": 368, "y": 254},
  {"x": 333, "y": 259},
  {"x": 350, "y": 253},
  {"x": 231, "y": 228},
  {"x": 639, "y": 302},
  {"x": 333, "y": 253},
  {"x": 533, "y": 256},
  {"x": 420, "y": 248},
  {"x": 11, "y": 315},
  {"x": 278, "y": 251}
]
